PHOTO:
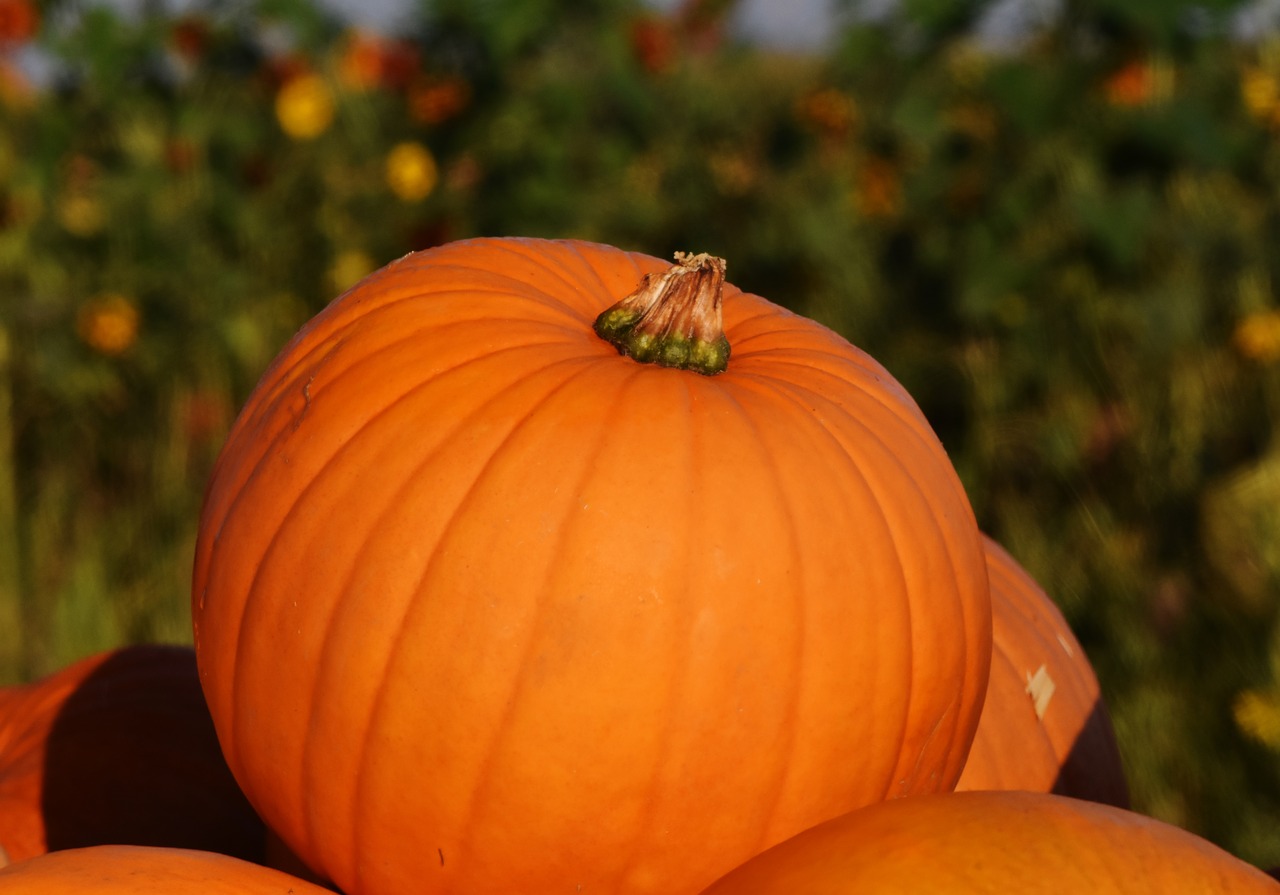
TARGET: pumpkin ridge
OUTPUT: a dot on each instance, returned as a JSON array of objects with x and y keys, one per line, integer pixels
[
  {"x": 283, "y": 432},
  {"x": 343, "y": 319},
  {"x": 520, "y": 678},
  {"x": 557, "y": 270},
  {"x": 235, "y": 674},
  {"x": 859, "y": 461},
  {"x": 376, "y": 705},
  {"x": 915, "y": 421},
  {"x": 577, "y": 247},
  {"x": 676, "y": 675},
  {"x": 530, "y": 255},
  {"x": 779, "y": 788},
  {"x": 331, "y": 345},
  {"x": 857, "y": 377},
  {"x": 785, "y": 390}
]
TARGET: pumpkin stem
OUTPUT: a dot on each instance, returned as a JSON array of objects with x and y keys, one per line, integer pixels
[{"x": 673, "y": 318}]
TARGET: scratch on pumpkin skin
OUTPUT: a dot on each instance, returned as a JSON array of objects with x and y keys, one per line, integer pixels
[{"x": 440, "y": 852}]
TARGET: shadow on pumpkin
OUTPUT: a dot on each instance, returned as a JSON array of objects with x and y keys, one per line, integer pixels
[
  {"x": 1092, "y": 768},
  {"x": 132, "y": 759}
]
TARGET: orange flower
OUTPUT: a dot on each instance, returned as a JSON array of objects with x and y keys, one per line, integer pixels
[
  {"x": 830, "y": 111},
  {"x": 1139, "y": 83},
  {"x": 653, "y": 41},
  {"x": 189, "y": 37},
  {"x": 878, "y": 193},
  {"x": 369, "y": 61},
  {"x": 360, "y": 66},
  {"x": 1257, "y": 336},
  {"x": 16, "y": 91},
  {"x": 438, "y": 101},
  {"x": 305, "y": 107},
  {"x": 108, "y": 324},
  {"x": 19, "y": 21}
]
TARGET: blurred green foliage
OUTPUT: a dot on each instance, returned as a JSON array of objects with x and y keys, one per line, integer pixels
[{"x": 1064, "y": 249}]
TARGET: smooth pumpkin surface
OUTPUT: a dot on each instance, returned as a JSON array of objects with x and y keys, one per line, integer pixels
[
  {"x": 975, "y": 843},
  {"x": 483, "y": 605},
  {"x": 118, "y": 748},
  {"x": 125, "y": 870},
  {"x": 1044, "y": 725}
]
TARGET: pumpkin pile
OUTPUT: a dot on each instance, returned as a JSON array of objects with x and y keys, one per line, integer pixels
[{"x": 538, "y": 567}]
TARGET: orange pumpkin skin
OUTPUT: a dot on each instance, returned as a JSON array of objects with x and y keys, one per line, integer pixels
[
  {"x": 1065, "y": 744},
  {"x": 142, "y": 870},
  {"x": 483, "y": 606},
  {"x": 994, "y": 842},
  {"x": 118, "y": 748}
]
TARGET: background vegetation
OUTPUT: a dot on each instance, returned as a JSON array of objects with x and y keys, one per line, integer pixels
[{"x": 1065, "y": 249}]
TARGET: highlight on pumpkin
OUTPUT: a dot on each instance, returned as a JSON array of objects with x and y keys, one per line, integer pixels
[
  {"x": 1044, "y": 724},
  {"x": 984, "y": 842}
]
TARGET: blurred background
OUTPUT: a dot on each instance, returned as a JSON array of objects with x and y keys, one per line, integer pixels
[{"x": 1055, "y": 222}]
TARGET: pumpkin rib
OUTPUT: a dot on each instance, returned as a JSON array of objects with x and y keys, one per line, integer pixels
[
  {"x": 520, "y": 677},
  {"x": 313, "y": 484},
  {"x": 576, "y": 250},
  {"x": 227, "y": 509},
  {"x": 823, "y": 352},
  {"x": 342, "y": 323},
  {"x": 773, "y": 795},
  {"x": 414, "y": 594},
  {"x": 541, "y": 261},
  {"x": 908, "y": 414},
  {"x": 580, "y": 315},
  {"x": 463, "y": 498},
  {"x": 675, "y": 675},
  {"x": 858, "y": 462},
  {"x": 304, "y": 364}
]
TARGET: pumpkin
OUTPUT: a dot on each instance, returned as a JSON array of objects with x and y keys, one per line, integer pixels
[
  {"x": 987, "y": 842},
  {"x": 544, "y": 566},
  {"x": 118, "y": 748},
  {"x": 1044, "y": 726},
  {"x": 144, "y": 870}
]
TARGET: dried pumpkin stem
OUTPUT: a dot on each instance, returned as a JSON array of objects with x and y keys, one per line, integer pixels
[{"x": 673, "y": 318}]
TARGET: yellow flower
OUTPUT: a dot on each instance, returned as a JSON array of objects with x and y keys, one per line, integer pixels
[
  {"x": 108, "y": 324},
  {"x": 304, "y": 107},
  {"x": 1258, "y": 715},
  {"x": 1257, "y": 336},
  {"x": 1260, "y": 92},
  {"x": 349, "y": 268},
  {"x": 411, "y": 171},
  {"x": 81, "y": 214}
]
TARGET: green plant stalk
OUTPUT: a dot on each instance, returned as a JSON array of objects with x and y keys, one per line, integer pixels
[{"x": 11, "y": 614}]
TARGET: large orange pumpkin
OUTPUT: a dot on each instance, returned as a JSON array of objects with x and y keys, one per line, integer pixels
[
  {"x": 483, "y": 604},
  {"x": 974, "y": 843},
  {"x": 1044, "y": 726},
  {"x": 141, "y": 870},
  {"x": 118, "y": 748}
]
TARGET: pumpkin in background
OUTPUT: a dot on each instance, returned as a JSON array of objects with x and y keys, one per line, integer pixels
[
  {"x": 484, "y": 604},
  {"x": 1044, "y": 726},
  {"x": 118, "y": 748},
  {"x": 989, "y": 842},
  {"x": 142, "y": 870}
]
